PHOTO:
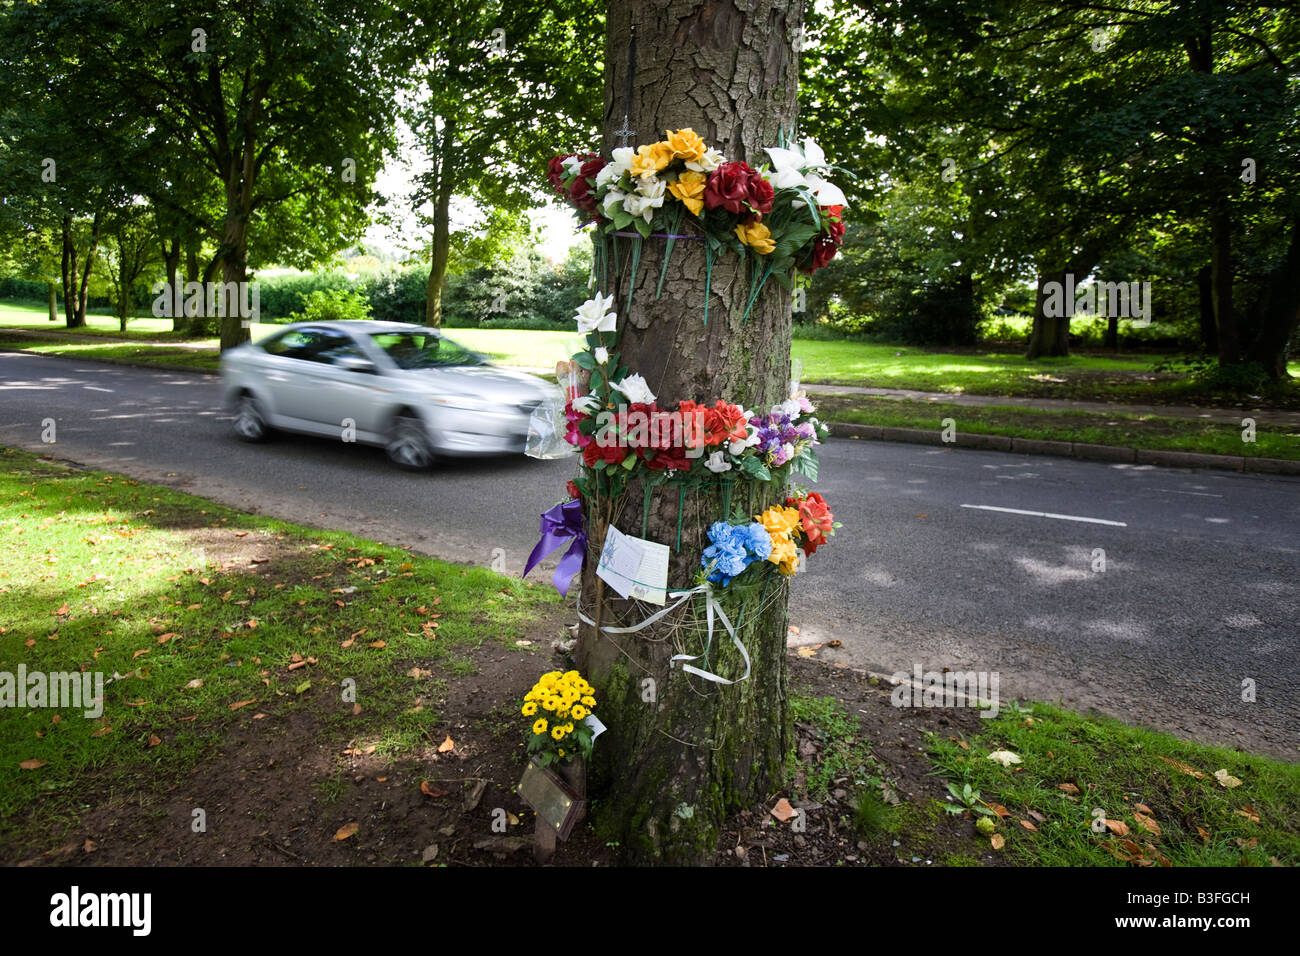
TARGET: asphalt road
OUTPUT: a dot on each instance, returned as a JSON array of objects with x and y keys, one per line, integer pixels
[{"x": 1199, "y": 591}]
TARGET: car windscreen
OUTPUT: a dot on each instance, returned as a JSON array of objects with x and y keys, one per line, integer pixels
[{"x": 423, "y": 350}]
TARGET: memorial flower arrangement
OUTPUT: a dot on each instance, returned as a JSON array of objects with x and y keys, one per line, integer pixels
[
  {"x": 558, "y": 706},
  {"x": 783, "y": 218}
]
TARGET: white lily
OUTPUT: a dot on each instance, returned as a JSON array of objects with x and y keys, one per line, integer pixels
[
  {"x": 635, "y": 388},
  {"x": 791, "y": 169},
  {"x": 826, "y": 194},
  {"x": 594, "y": 315},
  {"x": 717, "y": 463}
]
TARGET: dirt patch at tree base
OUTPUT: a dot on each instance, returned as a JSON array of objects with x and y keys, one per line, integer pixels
[{"x": 283, "y": 791}]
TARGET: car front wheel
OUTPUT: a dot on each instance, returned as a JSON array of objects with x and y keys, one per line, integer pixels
[
  {"x": 408, "y": 445},
  {"x": 250, "y": 424}
]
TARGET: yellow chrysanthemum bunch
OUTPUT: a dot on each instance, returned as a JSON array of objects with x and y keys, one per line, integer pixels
[{"x": 564, "y": 700}]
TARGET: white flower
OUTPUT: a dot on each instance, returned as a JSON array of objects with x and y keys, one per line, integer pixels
[
  {"x": 635, "y": 388},
  {"x": 594, "y": 315},
  {"x": 586, "y": 403},
  {"x": 573, "y": 164},
  {"x": 717, "y": 463},
  {"x": 708, "y": 162},
  {"x": 608, "y": 175},
  {"x": 790, "y": 170},
  {"x": 749, "y": 441},
  {"x": 612, "y": 199},
  {"x": 651, "y": 188},
  {"x": 601, "y": 354},
  {"x": 789, "y": 407},
  {"x": 622, "y": 159},
  {"x": 645, "y": 200}
]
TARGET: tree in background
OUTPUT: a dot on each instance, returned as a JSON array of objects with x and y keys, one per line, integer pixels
[{"x": 506, "y": 83}]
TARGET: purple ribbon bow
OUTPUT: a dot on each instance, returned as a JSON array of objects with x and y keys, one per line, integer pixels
[{"x": 562, "y": 523}]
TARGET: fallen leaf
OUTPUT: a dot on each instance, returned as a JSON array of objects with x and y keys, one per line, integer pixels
[
  {"x": 106, "y": 729},
  {"x": 1067, "y": 788},
  {"x": 446, "y": 745},
  {"x": 429, "y": 790},
  {"x": 379, "y": 644},
  {"x": 997, "y": 841},
  {"x": 1028, "y": 826},
  {"x": 1226, "y": 779},
  {"x": 348, "y": 643},
  {"x": 242, "y": 703},
  {"x": 1037, "y": 816},
  {"x": 303, "y": 687},
  {"x": 169, "y": 636},
  {"x": 138, "y": 654},
  {"x": 63, "y": 611},
  {"x": 1146, "y": 822},
  {"x": 194, "y": 684},
  {"x": 297, "y": 664},
  {"x": 154, "y": 740},
  {"x": 782, "y": 811},
  {"x": 834, "y": 643},
  {"x": 90, "y": 846},
  {"x": 1249, "y": 813},
  {"x": 807, "y": 651},
  {"x": 356, "y": 709},
  {"x": 355, "y": 634},
  {"x": 347, "y": 830},
  {"x": 1117, "y": 827},
  {"x": 32, "y": 764},
  {"x": 1142, "y": 807},
  {"x": 1191, "y": 771},
  {"x": 999, "y": 809},
  {"x": 1204, "y": 834},
  {"x": 1004, "y": 757}
]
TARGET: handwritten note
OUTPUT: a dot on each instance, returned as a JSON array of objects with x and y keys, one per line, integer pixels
[{"x": 634, "y": 567}]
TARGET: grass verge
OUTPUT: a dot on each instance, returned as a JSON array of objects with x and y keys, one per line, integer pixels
[
  {"x": 200, "y": 618},
  {"x": 1117, "y": 428},
  {"x": 1091, "y": 791}
]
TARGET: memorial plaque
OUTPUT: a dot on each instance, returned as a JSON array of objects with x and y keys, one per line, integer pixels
[{"x": 551, "y": 798}]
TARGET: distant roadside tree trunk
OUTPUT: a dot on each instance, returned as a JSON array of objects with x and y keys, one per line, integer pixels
[
  {"x": 1205, "y": 303},
  {"x": 441, "y": 223},
  {"x": 1050, "y": 335},
  {"x": 54, "y": 301}
]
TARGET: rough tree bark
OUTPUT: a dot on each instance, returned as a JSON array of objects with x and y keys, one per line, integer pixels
[{"x": 680, "y": 752}]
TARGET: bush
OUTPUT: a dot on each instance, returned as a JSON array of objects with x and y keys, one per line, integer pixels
[
  {"x": 334, "y": 305},
  {"x": 1245, "y": 378},
  {"x": 282, "y": 295},
  {"x": 398, "y": 296}
]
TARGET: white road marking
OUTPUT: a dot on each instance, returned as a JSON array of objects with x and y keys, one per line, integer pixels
[
  {"x": 1048, "y": 514},
  {"x": 95, "y": 388},
  {"x": 1199, "y": 494}
]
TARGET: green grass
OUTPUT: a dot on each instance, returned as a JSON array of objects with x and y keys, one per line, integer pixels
[
  {"x": 200, "y": 607},
  {"x": 1104, "y": 764},
  {"x": 128, "y": 353},
  {"x": 1099, "y": 428}
]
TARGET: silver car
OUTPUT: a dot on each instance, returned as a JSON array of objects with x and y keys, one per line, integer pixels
[{"x": 405, "y": 387}]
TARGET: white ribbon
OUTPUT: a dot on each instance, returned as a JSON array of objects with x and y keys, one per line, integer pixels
[{"x": 711, "y": 606}]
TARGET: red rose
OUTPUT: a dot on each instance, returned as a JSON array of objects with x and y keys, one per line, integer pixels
[
  {"x": 674, "y": 458},
  {"x": 815, "y": 518},
  {"x": 728, "y": 187},
  {"x": 555, "y": 171},
  {"x": 572, "y": 488},
  {"x": 612, "y": 452},
  {"x": 582, "y": 193},
  {"x": 724, "y": 423},
  {"x": 761, "y": 194},
  {"x": 824, "y": 249}
]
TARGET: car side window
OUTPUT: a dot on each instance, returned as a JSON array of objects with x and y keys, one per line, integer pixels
[
  {"x": 296, "y": 343},
  {"x": 335, "y": 346}
]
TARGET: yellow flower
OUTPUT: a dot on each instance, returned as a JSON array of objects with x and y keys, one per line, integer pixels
[
  {"x": 757, "y": 236},
  {"x": 779, "y": 520},
  {"x": 529, "y": 709},
  {"x": 589, "y": 701},
  {"x": 650, "y": 159},
  {"x": 539, "y": 725},
  {"x": 685, "y": 144},
  {"x": 551, "y": 703},
  {"x": 568, "y": 728},
  {"x": 562, "y": 712},
  {"x": 558, "y": 732},
  {"x": 785, "y": 554},
  {"x": 689, "y": 188},
  {"x": 560, "y": 751},
  {"x": 578, "y": 712}
]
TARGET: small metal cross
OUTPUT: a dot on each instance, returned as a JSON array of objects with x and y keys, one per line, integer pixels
[{"x": 624, "y": 134}]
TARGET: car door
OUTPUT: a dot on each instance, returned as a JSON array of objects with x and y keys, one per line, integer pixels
[{"x": 284, "y": 368}]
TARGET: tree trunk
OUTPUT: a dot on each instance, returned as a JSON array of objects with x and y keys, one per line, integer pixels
[
  {"x": 1051, "y": 334},
  {"x": 681, "y": 753},
  {"x": 441, "y": 225},
  {"x": 54, "y": 301},
  {"x": 171, "y": 256},
  {"x": 1205, "y": 301},
  {"x": 69, "y": 273},
  {"x": 1225, "y": 317},
  {"x": 1110, "y": 340},
  {"x": 1279, "y": 312}
]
